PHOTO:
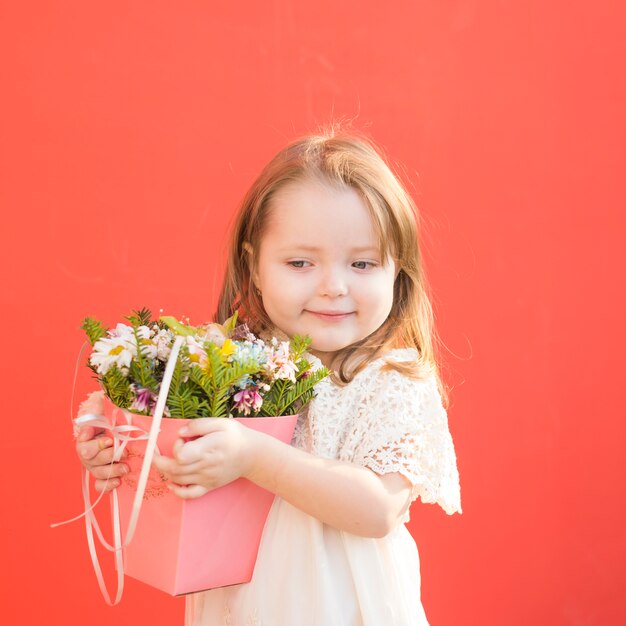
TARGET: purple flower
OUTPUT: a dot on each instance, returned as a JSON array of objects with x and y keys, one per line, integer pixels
[
  {"x": 248, "y": 400},
  {"x": 144, "y": 400},
  {"x": 242, "y": 333}
]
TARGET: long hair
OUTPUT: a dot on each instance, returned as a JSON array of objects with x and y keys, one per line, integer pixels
[{"x": 342, "y": 160}]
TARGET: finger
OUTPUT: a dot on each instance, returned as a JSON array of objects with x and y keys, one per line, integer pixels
[
  {"x": 176, "y": 448},
  {"x": 190, "y": 452},
  {"x": 202, "y": 426},
  {"x": 103, "y": 472},
  {"x": 84, "y": 433},
  {"x": 188, "y": 475},
  {"x": 180, "y": 473},
  {"x": 106, "y": 485},
  {"x": 186, "y": 480},
  {"x": 165, "y": 464},
  {"x": 176, "y": 472},
  {"x": 87, "y": 432},
  {"x": 205, "y": 448},
  {"x": 89, "y": 449},
  {"x": 188, "y": 492},
  {"x": 106, "y": 457}
]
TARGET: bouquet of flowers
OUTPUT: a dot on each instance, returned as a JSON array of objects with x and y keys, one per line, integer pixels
[
  {"x": 219, "y": 370},
  {"x": 222, "y": 370}
]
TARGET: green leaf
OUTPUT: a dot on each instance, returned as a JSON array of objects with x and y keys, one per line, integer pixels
[
  {"x": 230, "y": 324},
  {"x": 117, "y": 387},
  {"x": 183, "y": 404},
  {"x": 298, "y": 346},
  {"x": 142, "y": 369},
  {"x": 301, "y": 393},
  {"x": 181, "y": 371},
  {"x": 274, "y": 397},
  {"x": 143, "y": 317},
  {"x": 94, "y": 329},
  {"x": 204, "y": 381},
  {"x": 178, "y": 327}
]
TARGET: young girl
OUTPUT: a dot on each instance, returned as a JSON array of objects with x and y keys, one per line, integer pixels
[{"x": 326, "y": 245}]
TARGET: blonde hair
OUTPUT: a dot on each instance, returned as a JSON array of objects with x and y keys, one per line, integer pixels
[{"x": 343, "y": 160}]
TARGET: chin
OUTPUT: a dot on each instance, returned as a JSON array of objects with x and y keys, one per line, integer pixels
[{"x": 328, "y": 346}]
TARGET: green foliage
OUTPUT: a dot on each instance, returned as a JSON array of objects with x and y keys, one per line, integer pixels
[
  {"x": 217, "y": 379},
  {"x": 144, "y": 372},
  {"x": 178, "y": 327},
  {"x": 142, "y": 369},
  {"x": 94, "y": 329},
  {"x": 273, "y": 399},
  {"x": 230, "y": 324},
  {"x": 291, "y": 400},
  {"x": 304, "y": 393},
  {"x": 208, "y": 376},
  {"x": 116, "y": 387},
  {"x": 143, "y": 317},
  {"x": 181, "y": 373},
  {"x": 299, "y": 346},
  {"x": 184, "y": 404}
]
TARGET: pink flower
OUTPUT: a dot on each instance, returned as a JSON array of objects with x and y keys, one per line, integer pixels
[
  {"x": 248, "y": 400},
  {"x": 280, "y": 365}
]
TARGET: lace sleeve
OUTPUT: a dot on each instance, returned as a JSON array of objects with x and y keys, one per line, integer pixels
[{"x": 405, "y": 430}]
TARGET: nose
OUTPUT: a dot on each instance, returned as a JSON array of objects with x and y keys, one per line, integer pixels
[{"x": 333, "y": 283}]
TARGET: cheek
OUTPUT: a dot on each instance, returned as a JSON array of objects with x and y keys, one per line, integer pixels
[
  {"x": 286, "y": 285},
  {"x": 280, "y": 296},
  {"x": 381, "y": 291},
  {"x": 381, "y": 299}
]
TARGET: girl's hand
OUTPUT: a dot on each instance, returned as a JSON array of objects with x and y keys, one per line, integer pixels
[
  {"x": 221, "y": 451},
  {"x": 95, "y": 448},
  {"x": 95, "y": 451}
]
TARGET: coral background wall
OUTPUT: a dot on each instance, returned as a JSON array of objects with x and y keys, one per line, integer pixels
[{"x": 130, "y": 131}]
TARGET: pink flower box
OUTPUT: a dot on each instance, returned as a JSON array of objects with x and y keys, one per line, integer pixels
[{"x": 184, "y": 546}]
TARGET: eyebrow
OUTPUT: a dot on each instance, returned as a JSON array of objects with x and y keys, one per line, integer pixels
[{"x": 317, "y": 248}]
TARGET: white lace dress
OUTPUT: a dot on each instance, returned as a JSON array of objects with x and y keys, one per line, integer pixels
[{"x": 310, "y": 574}]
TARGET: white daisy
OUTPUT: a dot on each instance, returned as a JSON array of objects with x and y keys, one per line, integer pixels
[
  {"x": 148, "y": 347},
  {"x": 123, "y": 331},
  {"x": 112, "y": 351}
]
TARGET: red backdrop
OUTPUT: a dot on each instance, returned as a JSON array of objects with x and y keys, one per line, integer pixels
[{"x": 129, "y": 131}]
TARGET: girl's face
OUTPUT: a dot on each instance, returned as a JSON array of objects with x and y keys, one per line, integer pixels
[{"x": 319, "y": 268}]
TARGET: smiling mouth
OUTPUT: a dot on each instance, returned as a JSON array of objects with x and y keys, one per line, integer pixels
[{"x": 331, "y": 316}]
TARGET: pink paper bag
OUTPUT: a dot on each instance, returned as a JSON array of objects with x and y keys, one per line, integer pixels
[{"x": 183, "y": 546}]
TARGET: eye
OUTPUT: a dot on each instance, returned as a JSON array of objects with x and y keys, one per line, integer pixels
[
  {"x": 363, "y": 265},
  {"x": 298, "y": 263}
]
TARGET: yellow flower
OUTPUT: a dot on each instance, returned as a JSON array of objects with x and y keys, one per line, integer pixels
[{"x": 228, "y": 348}]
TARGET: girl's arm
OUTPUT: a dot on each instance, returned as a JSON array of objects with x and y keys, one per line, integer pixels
[{"x": 346, "y": 496}]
